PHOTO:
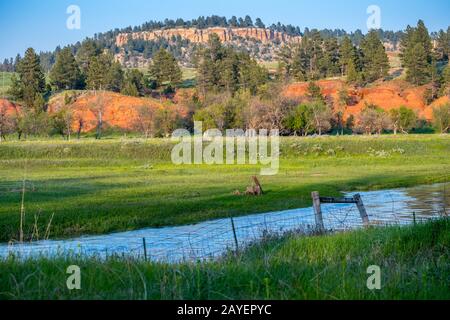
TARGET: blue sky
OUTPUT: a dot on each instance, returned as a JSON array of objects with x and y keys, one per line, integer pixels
[{"x": 41, "y": 24}]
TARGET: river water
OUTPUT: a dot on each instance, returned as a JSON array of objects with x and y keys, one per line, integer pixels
[{"x": 211, "y": 239}]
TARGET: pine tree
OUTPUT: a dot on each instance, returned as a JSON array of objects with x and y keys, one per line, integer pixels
[
  {"x": 422, "y": 36},
  {"x": 259, "y": 23},
  {"x": 418, "y": 71},
  {"x": 115, "y": 77},
  {"x": 347, "y": 54},
  {"x": 134, "y": 83},
  {"x": 165, "y": 69},
  {"x": 315, "y": 93},
  {"x": 98, "y": 76},
  {"x": 85, "y": 55},
  {"x": 31, "y": 81},
  {"x": 445, "y": 89},
  {"x": 330, "y": 62},
  {"x": 352, "y": 73},
  {"x": 416, "y": 54},
  {"x": 65, "y": 74},
  {"x": 129, "y": 89},
  {"x": 375, "y": 60},
  {"x": 443, "y": 44},
  {"x": 314, "y": 53}
]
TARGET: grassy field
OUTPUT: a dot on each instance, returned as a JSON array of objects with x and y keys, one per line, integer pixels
[
  {"x": 414, "y": 264},
  {"x": 95, "y": 187}
]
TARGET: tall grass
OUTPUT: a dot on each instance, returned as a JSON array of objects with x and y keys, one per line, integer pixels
[{"x": 414, "y": 261}]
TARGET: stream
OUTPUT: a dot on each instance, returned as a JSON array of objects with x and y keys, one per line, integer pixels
[{"x": 212, "y": 239}]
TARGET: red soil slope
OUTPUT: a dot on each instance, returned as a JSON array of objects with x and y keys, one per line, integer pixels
[
  {"x": 117, "y": 110},
  {"x": 8, "y": 106},
  {"x": 386, "y": 95}
]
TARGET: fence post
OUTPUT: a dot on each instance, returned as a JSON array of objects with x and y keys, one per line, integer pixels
[
  {"x": 414, "y": 218},
  {"x": 318, "y": 211},
  {"x": 235, "y": 236},
  {"x": 361, "y": 209},
  {"x": 145, "y": 248}
]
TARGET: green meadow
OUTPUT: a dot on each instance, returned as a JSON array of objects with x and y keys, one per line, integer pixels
[{"x": 94, "y": 187}]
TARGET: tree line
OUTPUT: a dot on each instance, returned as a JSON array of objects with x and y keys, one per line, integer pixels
[
  {"x": 106, "y": 40},
  {"x": 233, "y": 90},
  {"x": 317, "y": 58}
]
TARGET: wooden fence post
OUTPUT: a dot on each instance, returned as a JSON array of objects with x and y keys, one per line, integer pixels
[
  {"x": 145, "y": 248},
  {"x": 318, "y": 212},
  {"x": 362, "y": 209},
  {"x": 235, "y": 236}
]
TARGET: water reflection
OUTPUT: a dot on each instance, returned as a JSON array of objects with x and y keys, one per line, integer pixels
[{"x": 211, "y": 239}]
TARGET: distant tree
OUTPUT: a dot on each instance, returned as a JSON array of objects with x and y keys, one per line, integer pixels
[
  {"x": 134, "y": 83},
  {"x": 30, "y": 82},
  {"x": 166, "y": 120},
  {"x": 300, "y": 120},
  {"x": 16, "y": 62},
  {"x": 165, "y": 69},
  {"x": 403, "y": 119},
  {"x": 145, "y": 121},
  {"x": 350, "y": 122},
  {"x": 98, "y": 108},
  {"x": 309, "y": 118},
  {"x": 416, "y": 54},
  {"x": 219, "y": 67},
  {"x": 214, "y": 116},
  {"x": 6, "y": 122},
  {"x": 259, "y": 23},
  {"x": 348, "y": 61},
  {"x": 347, "y": 54},
  {"x": 313, "y": 52},
  {"x": 251, "y": 74},
  {"x": 98, "y": 76},
  {"x": 85, "y": 55},
  {"x": 441, "y": 118},
  {"x": 353, "y": 76},
  {"x": 233, "y": 22},
  {"x": 248, "y": 22},
  {"x": 418, "y": 71},
  {"x": 375, "y": 60},
  {"x": 115, "y": 77},
  {"x": 129, "y": 89},
  {"x": 330, "y": 63},
  {"x": 314, "y": 93},
  {"x": 322, "y": 115},
  {"x": 443, "y": 44},
  {"x": 372, "y": 119},
  {"x": 34, "y": 122},
  {"x": 62, "y": 122},
  {"x": 65, "y": 74},
  {"x": 445, "y": 89}
]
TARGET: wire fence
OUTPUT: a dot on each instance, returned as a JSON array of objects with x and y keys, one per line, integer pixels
[{"x": 214, "y": 239}]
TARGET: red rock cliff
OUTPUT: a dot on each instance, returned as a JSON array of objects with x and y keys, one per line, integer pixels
[{"x": 202, "y": 35}]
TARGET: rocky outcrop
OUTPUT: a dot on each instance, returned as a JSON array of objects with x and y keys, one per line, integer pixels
[{"x": 202, "y": 35}]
